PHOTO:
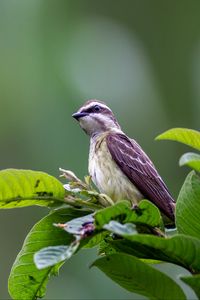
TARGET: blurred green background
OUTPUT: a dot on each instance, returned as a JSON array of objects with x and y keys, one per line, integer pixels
[{"x": 141, "y": 57}]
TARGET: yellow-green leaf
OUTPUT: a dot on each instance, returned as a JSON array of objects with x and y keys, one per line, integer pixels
[
  {"x": 20, "y": 188},
  {"x": 191, "y": 160},
  {"x": 186, "y": 136}
]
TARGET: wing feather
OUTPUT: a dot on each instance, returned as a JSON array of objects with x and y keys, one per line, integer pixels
[{"x": 136, "y": 165}]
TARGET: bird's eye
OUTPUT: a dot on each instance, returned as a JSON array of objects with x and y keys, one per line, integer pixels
[{"x": 97, "y": 108}]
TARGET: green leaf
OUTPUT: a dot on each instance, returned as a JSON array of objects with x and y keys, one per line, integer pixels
[
  {"x": 191, "y": 160},
  {"x": 78, "y": 226},
  {"x": 188, "y": 206},
  {"x": 136, "y": 276},
  {"x": 20, "y": 188},
  {"x": 186, "y": 136},
  {"x": 103, "y": 216},
  {"x": 193, "y": 282},
  {"x": 84, "y": 231},
  {"x": 105, "y": 246},
  {"x": 121, "y": 229},
  {"x": 180, "y": 249},
  {"x": 94, "y": 240},
  {"x": 26, "y": 281},
  {"x": 53, "y": 255},
  {"x": 145, "y": 213}
]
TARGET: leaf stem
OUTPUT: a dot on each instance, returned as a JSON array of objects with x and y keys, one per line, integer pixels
[{"x": 79, "y": 201}]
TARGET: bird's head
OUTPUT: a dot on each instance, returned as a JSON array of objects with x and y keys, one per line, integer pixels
[{"x": 96, "y": 117}]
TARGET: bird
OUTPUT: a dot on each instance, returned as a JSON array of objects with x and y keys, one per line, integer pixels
[{"x": 117, "y": 164}]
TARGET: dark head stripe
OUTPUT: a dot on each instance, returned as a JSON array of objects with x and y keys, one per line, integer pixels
[{"x": 91, "y": 103}]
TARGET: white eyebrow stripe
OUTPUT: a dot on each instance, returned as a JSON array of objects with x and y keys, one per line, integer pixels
[{"x": 95, "y": 103}]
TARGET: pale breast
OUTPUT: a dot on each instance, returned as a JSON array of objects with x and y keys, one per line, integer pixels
[{"x": 107, "y": 176}]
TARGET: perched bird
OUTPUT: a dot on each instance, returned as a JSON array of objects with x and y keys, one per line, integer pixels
[{"x": 117, "y": 164}]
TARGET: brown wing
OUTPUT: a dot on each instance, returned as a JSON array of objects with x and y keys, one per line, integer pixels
[{"x": 133, "y": 161}]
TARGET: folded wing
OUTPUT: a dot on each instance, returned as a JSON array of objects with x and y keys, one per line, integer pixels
[{"x": 136, "y": 165}]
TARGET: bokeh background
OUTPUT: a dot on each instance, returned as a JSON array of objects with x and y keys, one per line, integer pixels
[{"x": 141, "y": 57}]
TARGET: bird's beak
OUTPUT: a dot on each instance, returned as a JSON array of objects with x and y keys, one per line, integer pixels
[{"x": 79, "y": 115}]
